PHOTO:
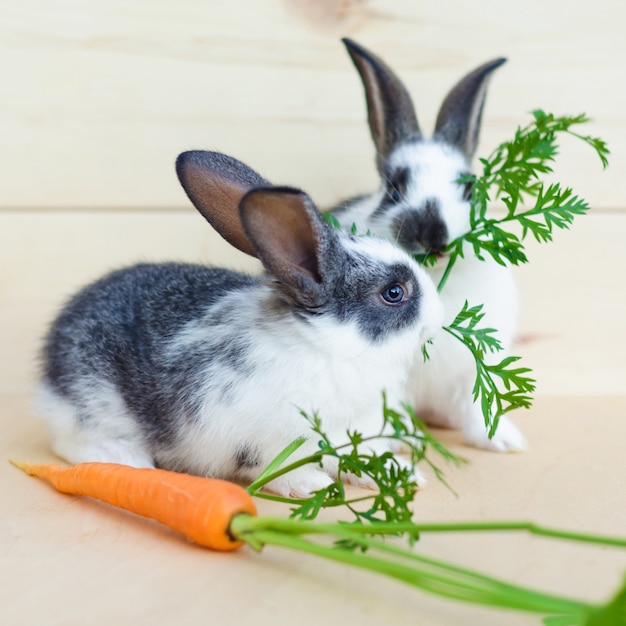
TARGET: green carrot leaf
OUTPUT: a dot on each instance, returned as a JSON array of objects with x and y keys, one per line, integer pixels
[
  {"x": 514, "y": 173},
  {"x": 393, "y": 478},
  {"x": 499, "y": 387}
]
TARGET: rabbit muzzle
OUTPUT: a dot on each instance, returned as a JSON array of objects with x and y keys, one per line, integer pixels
[{"x": 421, "y": 230}]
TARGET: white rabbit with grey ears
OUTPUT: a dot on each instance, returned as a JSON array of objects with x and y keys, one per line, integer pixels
[
  {"x": 205, "y": 370},
  {"x": 421, "y": 206}
]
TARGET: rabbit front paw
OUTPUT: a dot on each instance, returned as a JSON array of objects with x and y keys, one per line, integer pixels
[
  {"x": 508, "y": 437},
  {"x": 300, "y": 483}
]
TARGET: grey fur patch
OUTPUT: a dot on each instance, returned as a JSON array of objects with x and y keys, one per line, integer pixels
[
  {"x": 118, "y": 330},
  {"x": 232, "y": 352},
  {"x": 247, "y": 457},
  {"x": 350, "y": 292},
  {"x": 348, "y": 204},
  {"x": 396, "y": 183},
  {"x": 356, "y": 296}
]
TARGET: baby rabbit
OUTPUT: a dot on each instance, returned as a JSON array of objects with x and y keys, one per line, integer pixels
[
  {"x": 205, "y": 370},
  {"x": 422, "y": 207}
]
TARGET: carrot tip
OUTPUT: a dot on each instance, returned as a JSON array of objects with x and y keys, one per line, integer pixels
[
  {"x": 32, "y": 469},
  {"x": 20, "y": 465}
]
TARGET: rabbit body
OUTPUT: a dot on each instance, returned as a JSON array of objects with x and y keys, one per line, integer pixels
[
  {"x": 421, "y": 206},
  {"x": 206, "y": 370}
]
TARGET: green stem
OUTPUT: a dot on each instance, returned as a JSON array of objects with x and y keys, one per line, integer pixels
[
  {"x": 275, "y": 463},
  {"x": 263, "y": 480},
  {"x": 285, "y": 500},
  {"x": 245, "y": 524},
  {"x": 431, "y": 575},
  {"x": 525, "y": 598},
  {"x": 274, "y": 498},
  {"x": 446, "y": 273},
  {"x": 272, "y": 473},
  {"x": 454, "y": 333}
]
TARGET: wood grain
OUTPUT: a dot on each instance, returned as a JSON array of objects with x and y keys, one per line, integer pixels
[{"x": 99, "y": 97}]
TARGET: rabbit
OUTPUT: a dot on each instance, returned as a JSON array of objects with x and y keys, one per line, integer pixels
[
  {"x": 206, "y": 370},
  {"x": 421, "y": 206}
]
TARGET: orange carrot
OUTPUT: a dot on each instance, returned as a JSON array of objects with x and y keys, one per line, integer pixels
[{"x": 199, "y": 508}]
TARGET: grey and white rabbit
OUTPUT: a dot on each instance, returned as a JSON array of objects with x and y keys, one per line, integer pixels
[
  {"x": 421, "y": 206},
  {"x": 205, "y": 370}
]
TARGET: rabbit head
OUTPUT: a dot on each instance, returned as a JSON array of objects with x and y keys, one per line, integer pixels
[
  {"x": 314, "y": 269},
  {"x": 421, "y": 203}
]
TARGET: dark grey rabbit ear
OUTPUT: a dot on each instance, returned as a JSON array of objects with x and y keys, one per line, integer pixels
[
  {"x": 458, "y": 121},
  {"x": 291, "y": 239},
  {"x": 215, "y": 184},
  {"x": 390, "y": 110}
]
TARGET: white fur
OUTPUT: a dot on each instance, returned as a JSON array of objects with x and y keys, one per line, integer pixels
[
  {"x": 441, "y": 389},
  {"x": 114, "y": 437}
]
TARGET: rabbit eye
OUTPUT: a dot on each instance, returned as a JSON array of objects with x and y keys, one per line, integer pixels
[
  {"x": 467, "y": 190},
  {"x": 394, "y": 192},
  {"x": 396, "y": 184},
  {"x": 394, "y": 294}
]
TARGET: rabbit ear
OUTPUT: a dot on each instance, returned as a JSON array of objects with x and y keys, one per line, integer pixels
[
  {"x": 291, "y": 239},
  {"x": 215, "y": 183},
  {"x": 458, "y": 121},
  {"x": 390, "y": 110}
]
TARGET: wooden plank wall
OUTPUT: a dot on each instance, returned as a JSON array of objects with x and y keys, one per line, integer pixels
[{"x": 99, "y": 96}]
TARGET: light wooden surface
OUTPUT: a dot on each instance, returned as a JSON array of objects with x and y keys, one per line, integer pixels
[
  {"x": 70, "y": 561},
  {"x": 99, "y": 97}
]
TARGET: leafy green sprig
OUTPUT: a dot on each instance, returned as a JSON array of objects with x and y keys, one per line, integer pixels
[
  {"x": 501, "y": 387},
  {"x": 395, "y": 482},
  {"x": 513, "y": 174}
]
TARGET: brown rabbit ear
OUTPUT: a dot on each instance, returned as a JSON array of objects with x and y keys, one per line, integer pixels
[
  {"x": 390, "y": 110},
  {"x": 459, "y": 117},
  {"x": 215, "y": 184},
  {"x": 292, "y": 240}
]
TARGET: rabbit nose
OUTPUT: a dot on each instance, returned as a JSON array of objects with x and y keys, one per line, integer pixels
[
  {"x": 432, "y": 230},
  {"x": 433, "y": 238},
  {"x": 423, "y": 229}
]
